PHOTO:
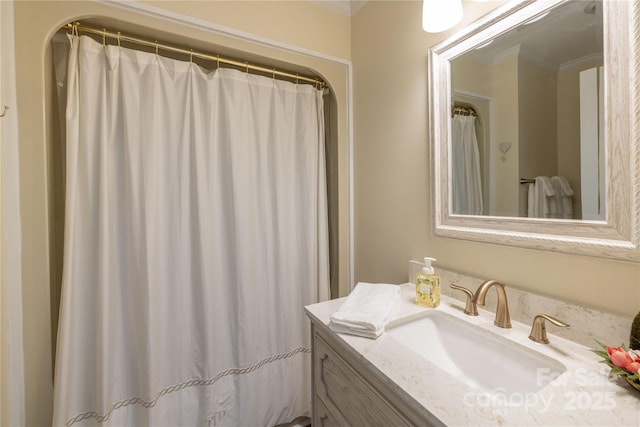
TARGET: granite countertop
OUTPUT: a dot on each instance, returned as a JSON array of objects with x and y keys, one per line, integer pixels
[{"x": 583, "y": 395}]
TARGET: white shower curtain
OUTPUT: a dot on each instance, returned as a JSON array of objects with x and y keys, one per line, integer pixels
[
  {"x": 465, "y": 165},
  {"x": 196, "y": 231}
]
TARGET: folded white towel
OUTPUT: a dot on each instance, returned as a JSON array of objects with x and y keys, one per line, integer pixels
[
  {"x": 563, "y": 196},
  {"x": 531, "y": 201},
  {"x": 541, "y": 202},
  {"x": 367, "y": 310},
  {"x": 561, "y": 184}
]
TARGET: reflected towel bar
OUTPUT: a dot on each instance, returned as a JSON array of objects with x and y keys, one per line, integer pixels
[{"x": 527, "y": 181}]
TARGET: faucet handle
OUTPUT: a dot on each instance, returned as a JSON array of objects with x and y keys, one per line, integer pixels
[
  {"x": 470, "y": 308},
  {"x": 539, "y": 331}
]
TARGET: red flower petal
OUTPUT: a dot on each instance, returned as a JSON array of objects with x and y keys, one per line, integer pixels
[
  {"x": 619, "y": 357},
  {"x": 633, "y": 367}
]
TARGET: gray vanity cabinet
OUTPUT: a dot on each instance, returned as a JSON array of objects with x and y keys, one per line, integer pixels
[{"x": 347, "y": 392}]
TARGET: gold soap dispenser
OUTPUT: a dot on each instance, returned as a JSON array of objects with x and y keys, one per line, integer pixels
[{"x": 428, "y": 286}]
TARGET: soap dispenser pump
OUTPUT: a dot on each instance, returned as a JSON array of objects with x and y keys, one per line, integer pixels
[{"x": 428, "y": 285}]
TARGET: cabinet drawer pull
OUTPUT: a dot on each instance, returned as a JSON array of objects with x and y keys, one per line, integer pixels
[
  {"x": 322, "y": 359},
  {"x": 323, "y": 419}
]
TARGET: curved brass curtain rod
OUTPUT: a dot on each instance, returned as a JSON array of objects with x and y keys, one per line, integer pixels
[
  {"x": 78, "y": 27},
  {"x": 464, "y": 111}
]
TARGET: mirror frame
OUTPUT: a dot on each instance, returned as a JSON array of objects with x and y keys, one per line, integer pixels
[{"x": 618, "y": 237}]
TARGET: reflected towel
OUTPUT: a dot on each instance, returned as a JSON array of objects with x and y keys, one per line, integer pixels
[
  {"x": 540, "y": 204},
  {"x": 564, "y": 194},
  {"x": 562, "y": 184},
  {"x": 367, "y": 310}
]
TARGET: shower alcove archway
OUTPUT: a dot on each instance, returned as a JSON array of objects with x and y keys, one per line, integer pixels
[
  {"x": 59, "y": 52},
  {"x": 41, "y": 155}
]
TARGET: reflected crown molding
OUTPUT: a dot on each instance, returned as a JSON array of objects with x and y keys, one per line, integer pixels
[{"x": 343, "y": 7}]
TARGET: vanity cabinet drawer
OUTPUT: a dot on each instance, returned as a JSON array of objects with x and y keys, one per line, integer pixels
[
  {"x": 348, "y": 397},
  {"x": 322, "y": 417}
]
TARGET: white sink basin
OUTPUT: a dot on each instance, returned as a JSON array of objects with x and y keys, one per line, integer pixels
[{"x": 477, "y": 357}]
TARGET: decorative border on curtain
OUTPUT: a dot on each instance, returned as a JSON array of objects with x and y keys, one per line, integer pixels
[{"x": 183, "y": 385}]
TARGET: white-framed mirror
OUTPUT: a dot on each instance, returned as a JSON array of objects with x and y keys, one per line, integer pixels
[{"x": 608, "y": 227}]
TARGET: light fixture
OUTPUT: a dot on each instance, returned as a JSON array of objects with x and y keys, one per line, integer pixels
[{"x": 440, "y": 15}]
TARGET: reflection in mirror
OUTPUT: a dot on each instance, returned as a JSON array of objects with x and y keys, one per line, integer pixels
[
  {"x": 518, "y": 138},
  {"x": 527, "y": 129}
]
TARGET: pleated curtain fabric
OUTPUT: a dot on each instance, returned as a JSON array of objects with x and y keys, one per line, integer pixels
[
  {"x": 195, "y": 234},
  {"x": 465, "y": 165}
]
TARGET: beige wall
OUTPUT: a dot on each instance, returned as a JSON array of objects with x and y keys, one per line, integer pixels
[
  {"x": 506, "y": 120},
  {"x": 302, "y": 24},
  {"x": 569, "y": 127},
  {"x": 538, "y": 144},
  {"x": 473, "y": 76},
  {"x": 392, "y": 211},
  {"x": 569, "y": 133},
  {"x": 4, "y": 324}
]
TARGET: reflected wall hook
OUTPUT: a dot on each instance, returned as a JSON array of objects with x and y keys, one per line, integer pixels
[
  {"x": 504, "y": 147},
  {"x": 4, "y": 111}
]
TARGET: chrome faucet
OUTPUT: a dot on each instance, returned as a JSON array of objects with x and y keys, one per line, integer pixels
[{"x": 502, "y": 310}]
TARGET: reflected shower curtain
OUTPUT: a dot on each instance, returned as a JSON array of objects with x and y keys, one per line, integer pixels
[
  {"x": 196, "y": 231},
  {"x": 465, "y": 166}
]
